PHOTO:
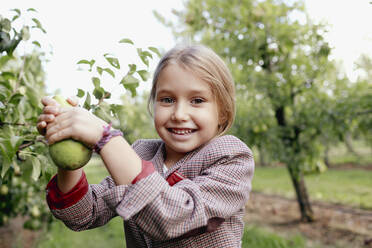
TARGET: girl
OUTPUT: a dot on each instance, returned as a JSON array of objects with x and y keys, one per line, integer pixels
[{"x": 187, "y": 189}]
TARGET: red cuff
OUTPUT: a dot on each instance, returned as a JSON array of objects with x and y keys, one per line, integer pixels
[
  {"x": 147, "y": 169},
  {"x": 58, "y": 200},
  {"x": 174, "y": 178}
]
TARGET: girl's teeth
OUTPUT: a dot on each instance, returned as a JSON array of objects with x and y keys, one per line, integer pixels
[{"x": 181, "y": 131}]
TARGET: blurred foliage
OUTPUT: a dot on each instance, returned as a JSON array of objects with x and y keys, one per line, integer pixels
[
  {"x": 136, "y": 122},
  {"x": 24, "y": 162},
  {"x": 291, "y": 97}
]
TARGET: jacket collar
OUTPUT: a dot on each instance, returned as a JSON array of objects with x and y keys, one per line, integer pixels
[{"x": 158, "y": 160}]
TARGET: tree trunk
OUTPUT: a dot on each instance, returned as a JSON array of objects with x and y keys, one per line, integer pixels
[
  {"x": 326, "y": 156},
  {"x": 262, "y": 157},
  {"x": 307, "y": 214},
  {"x": 349, "y": 145}
]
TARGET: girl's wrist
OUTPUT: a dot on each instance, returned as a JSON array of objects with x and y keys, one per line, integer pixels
[{"x": 106, "y": 136}]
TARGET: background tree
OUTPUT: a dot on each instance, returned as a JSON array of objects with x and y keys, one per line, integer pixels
[
  {"x": 22, "y": 153},
  {"x": 287, "y": 102}
]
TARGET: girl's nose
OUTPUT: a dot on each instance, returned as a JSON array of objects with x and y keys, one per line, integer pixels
[{"x": 180, "y": 112}]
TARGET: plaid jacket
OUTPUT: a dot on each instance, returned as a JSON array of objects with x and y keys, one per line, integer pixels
[{"x": 199, "y": 202}]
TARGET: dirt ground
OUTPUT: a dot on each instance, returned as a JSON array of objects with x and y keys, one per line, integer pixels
[
  {"x": 13, "y": 234},
  {"x": 335, "y": 225}
]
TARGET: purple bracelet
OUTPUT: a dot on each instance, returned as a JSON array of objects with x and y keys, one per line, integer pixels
[{"x": 107, "y": 135}]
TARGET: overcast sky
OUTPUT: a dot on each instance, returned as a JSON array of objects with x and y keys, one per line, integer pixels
[{"x": 87, "y": 29}]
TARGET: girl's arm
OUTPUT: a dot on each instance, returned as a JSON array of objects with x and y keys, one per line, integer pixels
[
  {"x": 120, "y": 159},
  {"x": 94, "y": 204}
]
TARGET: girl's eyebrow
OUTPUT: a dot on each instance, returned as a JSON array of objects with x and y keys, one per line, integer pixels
[
  {"x": 191, "y": 92},
  {"x": 164, "y": 91}
]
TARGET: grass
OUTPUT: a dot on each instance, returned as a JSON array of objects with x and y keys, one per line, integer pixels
[
  {"x": 350, "y": 187},
  {"x": 259, "y": 237},
  {"x": 340, "y": 155},
  {"x": 59, "y": 236}
]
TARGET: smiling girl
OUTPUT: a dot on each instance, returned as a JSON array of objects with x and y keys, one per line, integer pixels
[{"x": 187, "y": 189}]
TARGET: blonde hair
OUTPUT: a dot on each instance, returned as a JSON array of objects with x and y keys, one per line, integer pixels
[{"x": 209, "y": 67}]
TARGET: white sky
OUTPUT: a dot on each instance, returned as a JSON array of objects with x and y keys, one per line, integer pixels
[{"x": 81, "y": 29}]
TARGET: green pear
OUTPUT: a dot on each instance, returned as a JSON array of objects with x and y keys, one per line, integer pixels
[{"x": 69, "y": 154}]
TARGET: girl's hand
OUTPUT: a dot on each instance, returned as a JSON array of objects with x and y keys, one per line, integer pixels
[
  {"x": 76, "y": 123},
  {"x": 50, "y": 111}
]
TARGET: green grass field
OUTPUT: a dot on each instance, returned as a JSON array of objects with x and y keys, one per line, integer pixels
[
  {"x": 350, "y": 187},
  {"x": 340, "y": 155}
]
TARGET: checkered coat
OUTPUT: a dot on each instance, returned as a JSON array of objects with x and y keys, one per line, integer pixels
[{"x": 199, "y": 202}]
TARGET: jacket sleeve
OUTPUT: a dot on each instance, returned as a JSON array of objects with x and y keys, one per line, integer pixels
[
  {"x": 220, "y": 191},
  {"x": 95, "y": 208}
]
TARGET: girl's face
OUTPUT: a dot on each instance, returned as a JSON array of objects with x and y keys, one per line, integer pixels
[{"x": 185, "y": 112}]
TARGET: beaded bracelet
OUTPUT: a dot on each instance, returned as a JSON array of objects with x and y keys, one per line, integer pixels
[{"x": 107, "y": 135}]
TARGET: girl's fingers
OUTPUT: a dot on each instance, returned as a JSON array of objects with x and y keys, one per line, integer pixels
[
  {"x": 73, "y": 100},
  {"x": 60, "y": 135},
  {"x": 46, "y": 118},
  {"x": 43, "y": 121},
  {"x": 50, "y": 109},
  {"x": 41, "y": 127},
  {"x": 61, "y": 122},
  {"x": 46, "y": 101}
]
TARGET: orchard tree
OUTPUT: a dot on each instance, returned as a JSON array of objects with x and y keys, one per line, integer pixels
[
  {"x": 22, "y": 151},
  {"x": 279, "y": 60},
  {"x": 25, "y": 164},
  {"x": 360, "y": 100}
]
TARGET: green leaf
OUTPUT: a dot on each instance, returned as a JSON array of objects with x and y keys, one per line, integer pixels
[
  {"x": 129, "y": 79},
  {"x": 16, "y": 141},
  {"x": 16, "y": 10},
  {"x": 88, "y": 62},
  {"x": 80, "y": 93},
  {"x": 15, "y": 18},
  {"x": 143, "y": 55},
  {"x": 38, "y": 25},
  {"x": 87, "y": 102},
  {"x": 36, "y": 168},
  {"x": 32, "y": 9},
  {"x": 99, "y": 70},
  {"x": 155, "y": 50},
  {"x": 83, "y": 61},
  {"x": 5, "y": 167},
  {"x": 144, "y": 74},
  {"x": 96, "y": 82},
  {"x": 4, "y": 59},
  {"x": 113, "y": 61},
  {"x": 98, "y": 92},
  {"x": 132, "y": 88},
  {"x": 125, "y": 40},
  {"x": 36, "y": 43},
  {"x": 8, "y": 75},
  {"x": 109, "y": 71},
  {"x": 130, "y": 83},
  {"x": 6, "y": 25},
  {"x": 132, "y": 68},
  {"x": 16, "y": 98}
]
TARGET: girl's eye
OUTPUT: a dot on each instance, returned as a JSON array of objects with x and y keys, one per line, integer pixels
[
  {"x": 166, "y": 100},
  {"x": 197, "y": 101}
]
